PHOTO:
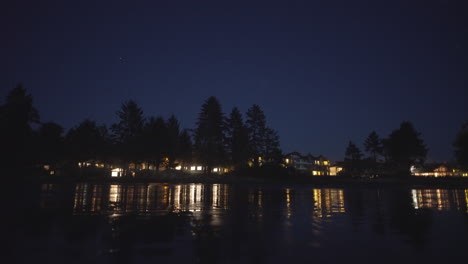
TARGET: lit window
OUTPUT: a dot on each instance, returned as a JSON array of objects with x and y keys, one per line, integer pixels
[
  {"x": 325, "y": 162},
  {"x": 117, "y": 172},
  {"x": 178, "y": 167},
  {"x": 287, "y": 161},
  {"x": 215, "y": 169},
  {"x": 193, "y": 168},
  {"x": 199, "y": 168},
  {"x": 314, "y": 172}
]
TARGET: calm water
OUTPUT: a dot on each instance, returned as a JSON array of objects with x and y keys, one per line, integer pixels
[{"x": 221, "y": 223}]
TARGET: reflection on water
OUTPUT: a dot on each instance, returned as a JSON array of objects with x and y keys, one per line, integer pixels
[
  {"x": 225, "y": 223},
  {"x": 328, "y": 202},
  {"x": 439, "y": 199},
  {"x": 148, "y": 198}
]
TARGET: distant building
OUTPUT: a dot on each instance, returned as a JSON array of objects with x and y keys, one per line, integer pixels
[
  {"x": 314, "y": 165},
  {"x": 440, "y": 170},
  {"x": 335, "y": 169}
]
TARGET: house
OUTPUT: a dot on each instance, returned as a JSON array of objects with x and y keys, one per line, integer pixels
[
  {"x": 314, "y": 165},
  {"x": 437, "y": 170}
]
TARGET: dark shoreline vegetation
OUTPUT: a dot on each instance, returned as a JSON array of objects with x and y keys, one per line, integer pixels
[{"x": 222, "y": 149}]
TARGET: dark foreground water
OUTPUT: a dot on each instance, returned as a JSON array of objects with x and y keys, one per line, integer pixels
[{"x": 223, "y": 223}]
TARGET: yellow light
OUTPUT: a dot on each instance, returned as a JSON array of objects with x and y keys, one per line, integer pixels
[
  {"x": 46, "y": 167},
  {"x": 192, "y": 168},
  {"x": 199, "y": 168},
  {"x": 117, "y": 172},
  {"x": 325, "y": 162},
  {"x": 314, "y": 172},
  {"x": 52, "y": 172},
  {"x": 215, "y": 169},
  {"x": 287, "y": 161},
  {"x": 178, "y": 167}
]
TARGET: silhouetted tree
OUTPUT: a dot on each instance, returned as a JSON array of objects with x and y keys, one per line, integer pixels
[
  {"x": 461, "y": 147},
  {"x": 403, "y": 147},
  {"x": 172, "y": 140},
  {"x": 237, "y": 139},
  {"x": 272, "y": 151},
  {"x": 373, "y": 145},
  {"x": 155, "y": 138},
  {"x": 17, "y": 115},
  {"x": 353, "y": 157},
  {"x": 87, "y": 142},
  {"x": 50, "y": 144},
  {"x": 256, "y": 124},
  {"x": 128, "y": 132},
  {"x": 263, "y": 141},
  {"x": 209, "y": 134},
  {"x": 185, "y": 147}
]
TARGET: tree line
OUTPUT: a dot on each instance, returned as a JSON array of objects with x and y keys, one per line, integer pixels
[
  {"x": 216, "y": 141},
  {"x": 396, "y": 154}
]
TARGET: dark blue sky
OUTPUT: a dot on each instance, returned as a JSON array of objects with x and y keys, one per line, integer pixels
[{"x": 325, "y": 72}]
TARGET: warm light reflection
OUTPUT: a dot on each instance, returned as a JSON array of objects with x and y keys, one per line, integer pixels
[
  {"x": 114, "y": 193},
  {"x": 328, "y": 202},
  {"x": 439, "y": 199},
  {"x": 148, "y": 198},
  {"x": 466, "y": 199},
  {"x": 288, "y": 203}
]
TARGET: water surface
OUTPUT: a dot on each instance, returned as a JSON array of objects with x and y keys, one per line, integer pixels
[{"x": 229, "y": 223}]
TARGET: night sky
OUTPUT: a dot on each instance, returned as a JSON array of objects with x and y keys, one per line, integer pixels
[{"x": 324, "y": 72}]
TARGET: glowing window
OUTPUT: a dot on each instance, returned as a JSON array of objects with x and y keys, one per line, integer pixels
[
  {"x": 178, "y": 167},
  {"x": 193, "y": 168},
  {"x": 117, "y": 172},
  {"x": 199, "y": 168},
  {"x": 215, "y": 169}
]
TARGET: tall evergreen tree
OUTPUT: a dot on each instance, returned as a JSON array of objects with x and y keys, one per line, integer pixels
[
  {"x": 155, "y": 138},
  {"x": 87, "y": 141},
  {"x": 209, "y": 134},
  {"x": 353, "y": 152},
  {"x": 128, "y": 132},
  {"x": 373, "y": 145},
  {"x": 185, "y": 148},
  {"x": 172, "y": 140},
  {"x": 461, "y": 147},
  {"x": 263, "y": 141},
  {"x": 404, "y": 147},
  {"x": 17, "y": 115},
  {"x": 272, "y": 151},
  {"x": 353, "y": 157},
  {"x": 237, "y": 139},
  {"x": 50, "y": 144}
]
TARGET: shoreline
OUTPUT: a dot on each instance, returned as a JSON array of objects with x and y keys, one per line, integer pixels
[{"x": 326, "y": 181}]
